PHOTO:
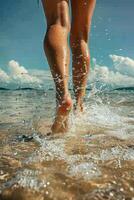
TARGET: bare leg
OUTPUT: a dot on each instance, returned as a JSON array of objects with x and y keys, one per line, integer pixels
[
  {"x": 57, "y": 52},
  {"x": 82, "y": 12}
]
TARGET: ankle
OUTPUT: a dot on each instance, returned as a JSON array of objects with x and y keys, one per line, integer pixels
[
  {"x": 65, "y": 104},
  {"x": 66, "y": 98}
]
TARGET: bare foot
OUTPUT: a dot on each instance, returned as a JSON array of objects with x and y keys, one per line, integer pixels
[{"x": 60, "y": 124}]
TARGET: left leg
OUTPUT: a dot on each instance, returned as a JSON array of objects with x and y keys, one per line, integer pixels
[{"x": 57, "y": 52}]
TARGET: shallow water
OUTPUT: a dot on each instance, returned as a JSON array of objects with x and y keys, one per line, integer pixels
[{"x": 94, "y": 160}]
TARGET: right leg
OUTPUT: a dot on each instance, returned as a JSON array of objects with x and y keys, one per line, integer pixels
[
  {"x": 82, "y": 11},
  {"x": 57, "y": 52}
]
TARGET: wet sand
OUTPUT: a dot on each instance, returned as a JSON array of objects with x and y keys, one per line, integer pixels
[{"x": 94, "y": 160}]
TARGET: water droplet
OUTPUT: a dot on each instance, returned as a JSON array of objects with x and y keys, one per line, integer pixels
[
  {"x": 131, "y": 189},
  {"x": 111, "y": 194},
  {"x": 121, "y": 189},
  {"x": 48, "y": 183}
]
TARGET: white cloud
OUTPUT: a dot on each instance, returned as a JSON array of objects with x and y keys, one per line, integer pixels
[
  {"x": 3, "y": 76},
  {"x": 18, "y": 77},
  {"x": 4, "y": 79},
  {"x": 124, "y": 65},
  {"x": 123, "y": 76},
  {"x": 16, "y": 69},
  {"x": 42, "y": 74},
  {"x": 102, "y": 77}
]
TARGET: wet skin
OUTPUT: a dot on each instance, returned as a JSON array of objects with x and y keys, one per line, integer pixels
[{"x": 57, "y": 51}]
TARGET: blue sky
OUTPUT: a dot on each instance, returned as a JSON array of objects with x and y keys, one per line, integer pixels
[{"x": 22, "y": 28}]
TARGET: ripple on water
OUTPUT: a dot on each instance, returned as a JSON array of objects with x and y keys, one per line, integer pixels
[
  {"x": 117, "y": 152},
  {"x": 85, "y": 170},
  {"x": 84, "y": 156}
]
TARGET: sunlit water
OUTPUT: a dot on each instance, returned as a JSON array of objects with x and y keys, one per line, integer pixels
[{"x": 93, "y": 161}]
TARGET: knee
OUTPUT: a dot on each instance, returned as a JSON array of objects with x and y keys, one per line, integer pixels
[{"x": 60, "y": 16}]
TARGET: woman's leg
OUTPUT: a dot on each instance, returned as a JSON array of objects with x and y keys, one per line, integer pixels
[
  {"x": 82, "y": 11},
  {"x": 57, "y": 52}
]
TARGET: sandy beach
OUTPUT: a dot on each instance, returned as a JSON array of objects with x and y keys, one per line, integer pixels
[{"x": 94, "y": 160}]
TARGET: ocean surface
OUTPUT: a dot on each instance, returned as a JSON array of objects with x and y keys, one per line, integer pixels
[{"x": 93, "y": 161}]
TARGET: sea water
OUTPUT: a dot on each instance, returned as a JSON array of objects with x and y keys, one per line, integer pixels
[{"x": 94, "y": 160}]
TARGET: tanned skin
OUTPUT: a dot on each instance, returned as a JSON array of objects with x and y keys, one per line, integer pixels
[{"x": 57, "y": 51}]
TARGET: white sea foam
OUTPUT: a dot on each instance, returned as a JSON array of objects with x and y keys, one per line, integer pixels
[{"x": 101, "y": 120}]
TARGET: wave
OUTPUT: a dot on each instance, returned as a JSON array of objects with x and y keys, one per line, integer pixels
[
  {"x": 125, "y": 88},
  {"x": 11, "y": 89},
  {"x": 70, "y": 89},
  {"x": 1, "y": 88}
]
